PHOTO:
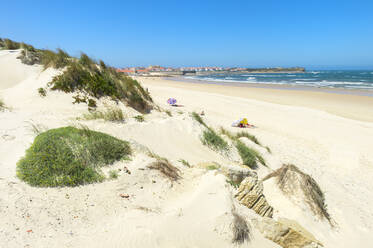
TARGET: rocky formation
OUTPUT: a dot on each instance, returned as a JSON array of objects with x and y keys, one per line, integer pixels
[
  {"x": 287, "y": 233},
  {"x": 250, "y": 194}
]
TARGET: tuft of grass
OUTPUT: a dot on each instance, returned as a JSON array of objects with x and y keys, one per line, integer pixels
[
  {"x": 37, "y": 128},
  {"x": 113, "y": 114},
  {"x": 290, "y": 179},
  {"x": 227, "y": 133},
  {"x": 249, "y": 136},
  {"x": 57, "y": 60},
  {"x": 113, "y": 174},
  {"x": 42, "y": 92},
  {"x": 168, "y": 112},
  {"x": 234, "y": 184},
  {"x": 2, "y": 105},
  {"x": 198, "y": 118},
  {"x": 69, "y": 156},
  {"x": 10, "y": 45},
  {"x": 165, "y": 167},
  {"x": 185, "y": 163},
  {"x": 249, "y": 156},
  {"x": 241, "y": 231},
  {"x": 139, "y": 118},
  {"x": 211, "y": 139},
  {"x": 212, "y": 167}
]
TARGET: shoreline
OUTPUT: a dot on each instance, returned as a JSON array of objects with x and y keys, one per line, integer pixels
[
  {"x": 344, "y": 103},
  {"x": 343, "y": 91}
]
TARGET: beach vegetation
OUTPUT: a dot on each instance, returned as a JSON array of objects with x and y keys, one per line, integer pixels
[
  {"x": 241, "y": 230},
  {"x": 211, "y": 139},
  {"x": 139, "y": 118},
  {"x": 168, "y": 112},
  {"x": 198, "y": 118},
  {"x": 70, "y": 156},
  {"x": 185, "y": 163},
  {"x": 57, "y": 60},
  {"x": 249, "y": 136},
  {"x": 113, "y": 174},
  {"x": 114, "y": 114},
  {"x": 42, "y": 92},
  {"x": 92, "y": 80},
  {"x": 2, "y": 105},
  {"x": 164, "y": 166},
  {"x": 249, "y": 156},
  {"x": 8, "y": 44}
]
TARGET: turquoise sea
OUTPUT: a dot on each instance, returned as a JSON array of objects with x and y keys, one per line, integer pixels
[{"x": 329, "y": 79}]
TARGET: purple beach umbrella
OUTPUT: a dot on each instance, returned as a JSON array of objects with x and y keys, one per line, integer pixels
[{"x": 171, "y": 101}]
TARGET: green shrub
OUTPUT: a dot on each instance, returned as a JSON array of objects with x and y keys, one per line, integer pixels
[
  {"x": 139, "y": 118},
  {"x": 212, "y": 167},
  {"x": 69, "y": 156},
  {"x": 85, "y": 76},
  {"x": 42, "y": 92},
  {"x": 211, "y": 139},
  {"x": 168, "y": 112},
  {"x": 11, "y": 45},
  {"x": 249, "y": 156},
  {"x": 198, "y": 118},
  {"x": 113, "y": 174},
  {"x": 92, "y": 103}
]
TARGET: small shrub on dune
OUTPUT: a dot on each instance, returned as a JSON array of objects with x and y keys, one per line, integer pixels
[
  {"x": 42, "y": 92},
  {"x": 211, "y": 139},
  {"x": 70, "y": 156},
  {"x": 2, "y": 105},
  {"x": 11, "y": 45},
  {"x": 113, "y": 174},
  {"x": 139, "y": 118}
]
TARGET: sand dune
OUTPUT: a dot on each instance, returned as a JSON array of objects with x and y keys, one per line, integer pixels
[{"x": 198, "y": 210}]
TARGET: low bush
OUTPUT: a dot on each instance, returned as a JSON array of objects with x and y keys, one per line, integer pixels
[
  {"x": 42, "y": 92},
  {"x": 139, "y": 118},
  {"x": 10, "y": 45},
  {"x": 69, "y": 156},
  {"x": 249, "y": 156},
  {"x": 211, "y": 139},
  {"x": 113, "y": 174},
  {"x": 56, "y": 60},
  {"x": 2, "y": 105},
  {"x": 168, "y": 112},
  {"x": 165, "y": 167}
]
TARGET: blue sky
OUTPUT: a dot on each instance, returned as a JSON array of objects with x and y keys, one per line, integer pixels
[{"x": 184, "y": 33}]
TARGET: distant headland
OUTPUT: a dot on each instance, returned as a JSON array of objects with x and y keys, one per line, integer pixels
[{"x": 189, "y": 71}]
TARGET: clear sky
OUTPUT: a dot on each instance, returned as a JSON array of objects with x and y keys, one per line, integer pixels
[{"x": 184, "y": 33}]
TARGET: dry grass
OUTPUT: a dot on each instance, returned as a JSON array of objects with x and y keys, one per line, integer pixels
[
  {"x": 164, "y": 166},
  {"x": 290, "y": 179},
  {"x": 113, "y": 114},
  {"x": 2, "y": 105},
  {"x": 241, "y": 231}
]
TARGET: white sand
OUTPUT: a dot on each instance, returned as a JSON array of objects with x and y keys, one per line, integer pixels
[{"x": 197, "y": 210}]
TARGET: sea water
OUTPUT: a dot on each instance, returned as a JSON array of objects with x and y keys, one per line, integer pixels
[{"x": 330, "y": 79}]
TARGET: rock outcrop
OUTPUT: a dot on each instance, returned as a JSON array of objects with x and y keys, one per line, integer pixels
[
  {"x": 250, "y": 194},
  {"x": 287, "y": 233}
]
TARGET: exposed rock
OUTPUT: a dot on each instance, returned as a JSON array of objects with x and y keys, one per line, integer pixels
[
  {"x": 287, "y": 233},
  {"x": 250, "y": 194}
]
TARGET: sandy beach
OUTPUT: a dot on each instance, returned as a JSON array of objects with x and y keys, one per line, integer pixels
[{"x": 327, "y": 136}]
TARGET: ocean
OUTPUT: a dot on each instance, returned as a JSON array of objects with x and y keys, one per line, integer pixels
[{"x": 362, "y": 80}]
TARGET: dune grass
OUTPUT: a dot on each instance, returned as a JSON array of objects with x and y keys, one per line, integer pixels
[
  {"x": 69, "y": 156},
  {"x": 185, "y": 163},
  {"x": 164, "y": 166},
  {"x": 113, "y": 114},
  {"x": 211, "y": 139},
  {"x": 241, "y": 231},
  {"x": 249, "y": 136},
  {"x": 57, "y": 60},
  {"x": 290, "y": 178},
  {"x": 249, "y": 156},
  {"x": 2, "y": 105},
  {"x": 198, "y": 118},
  {"x": 98, "y": 81},
  {"x": 8, "y": 44},
  {"x": 113, "y": 174}
]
